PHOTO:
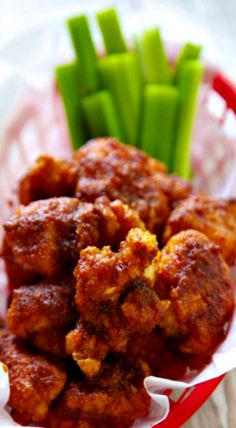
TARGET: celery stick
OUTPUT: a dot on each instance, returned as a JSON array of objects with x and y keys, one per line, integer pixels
[
  {"x": 189, "y": 51},
  {"x": 159, "y": 120},
  {"x": 100, "y": 115},
  {"x": 68, "y": 83},
  {"x": 188, "y": 83},
  {"x": 111, "y": 31},
  {"x": 153, "y": 57},
  {"x": 85, "y": 51},
  {"x": 120, "y": 74}
]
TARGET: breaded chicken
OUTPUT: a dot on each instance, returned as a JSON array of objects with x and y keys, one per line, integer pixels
[
  {"x": 34, "y": 381},
  {"x": 51, "y": 341},
  {"x": 175, "y": 188},
  {"x": 102, "y": 275},
  {"x": 162, "y": 358},
  {"x": 214, "y": 217},
  {"x": 48, "y": 177},
  {"x": 115, "y": 399},
  {"x": 42, "y": 236},
  {"x": 113, "y": 296},
  {"x": 141, "y": 307},
  {"x": 197, "y": 291},
  {"x": 46, "y": 237},
  {"x": 108, "y": 167},
  {"x": 46, "y": 305},
  {"x": 87, "y": 347}
]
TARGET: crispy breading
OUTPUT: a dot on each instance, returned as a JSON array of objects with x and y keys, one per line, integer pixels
[
  {"x": 141, "y": 307},
  {"x": 197, "y": 291},
  {"x": 48, "y": 177},
  {"x": 115, "y": 398},
  {"x": 175, "y": 188},
  {"x": 46, "y": 237},
  {"x": 216, "y": 218},
  {"x": 87, "y": 348},
  {"x": 50, "y": 341},
  {"x": 162, "y": 357},
  {"x": 34, "y": 381},
  {"x": 45, "y": 305},
  {"x": 112, "y": 294},
  {"x": 108, "y": 167},
  {"x": 42, "y": 235},
  {"x": 102, "y": 275}
]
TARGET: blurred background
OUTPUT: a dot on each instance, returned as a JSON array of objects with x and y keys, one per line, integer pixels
[{"x": 210, "y": 21}]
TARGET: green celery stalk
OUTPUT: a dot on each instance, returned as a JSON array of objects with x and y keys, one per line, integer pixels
[
  {"x": 85, "y": 51},
  {"x": 158, "y": 121},
  {"x": 120, "y": 74},
  {"x": 68, "y": 83},
  {"x": 100, "y": 115},
  {"x": 188, "y": 83},
  {"x": 189, "y": 51},
  {"x": 111, "y": 31},
  {"x": 153, "y": 57}
]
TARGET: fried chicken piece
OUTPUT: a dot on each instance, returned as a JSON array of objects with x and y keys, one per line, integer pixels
[
  {"x": 34, "y": 381},
  {"x": 46, "y": 305},
  {"x": 141, "y": 308},
  {"x": 48, "y": 177},
  {"x": 195, "y": 281},
  {"x": 87, "y": 348},
  {"x": 116, "y": 398},
  {"x": 106, "y": 223},
  {"x": 49, "y": 341},
  {"x": 175, "y": 188},
  {"x": 214, "y": 217},
  {"x": 46, "y": 237},
  {"x": 160, "y": 355},
  {"x": 108, "y": 167},
  {"x": 103, "y": 278},
  {"x": 42, "y": 236},
  {"x": 102, "y": 275}
]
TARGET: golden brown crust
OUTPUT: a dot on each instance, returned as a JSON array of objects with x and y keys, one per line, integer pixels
[
  {"x": 48, "y": 177},
  {"x": 34, "y": 380},
  {"x": 46, "y": 305},
  {"x": 118, "y": 171},
  {"x": 195, "y": 282},
  {"x": 46, "y": 237},
  {"x": 116, "y": 398},
  {"x": 41, "y": 236},
  {"x": 87, "y": 347},
  {"x": 112, "y": 294},
  {"x": 214, "y": 217}
]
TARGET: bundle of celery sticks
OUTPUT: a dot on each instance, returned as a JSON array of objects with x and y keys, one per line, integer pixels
[{"x": 131, "y": 93}]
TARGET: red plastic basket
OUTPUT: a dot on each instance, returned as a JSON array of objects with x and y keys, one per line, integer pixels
[
  {"x": 37, "y": 126},
  {"x": 192, "y": 399}
]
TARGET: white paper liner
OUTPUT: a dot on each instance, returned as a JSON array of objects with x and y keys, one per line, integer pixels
[{"x": 36, "y": 68}]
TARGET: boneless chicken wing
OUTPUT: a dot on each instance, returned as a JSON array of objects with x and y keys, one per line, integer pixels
[
  {"x": 196, "y": 289},
  {"x": 214, "y": 217},
  {"x": 114, "y": 399},
  {"x": 42, "y": 236},
  {"x": 42, "y": 306},
  {"x": 102, "y": 275},
  {"x": 48, "y": 177},
  {"x": 45, "y": 237},
  {"x": 34, "y": 381},
  {"x": 113, "y": 296},
  {"x": 108, "y": 167}
]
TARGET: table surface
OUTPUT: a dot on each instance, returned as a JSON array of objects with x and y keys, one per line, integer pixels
[{"x": 220, "y": 410}]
